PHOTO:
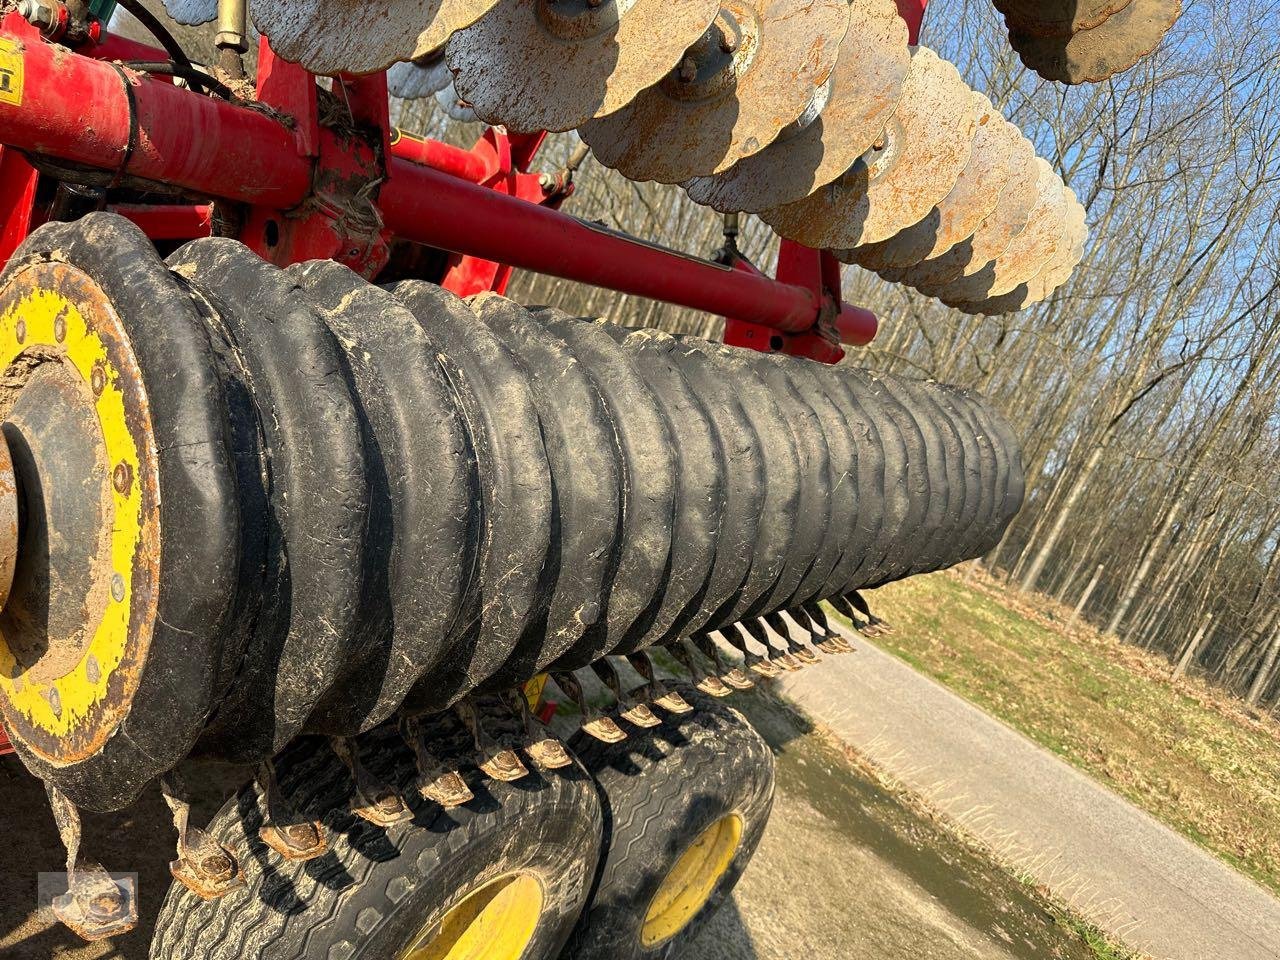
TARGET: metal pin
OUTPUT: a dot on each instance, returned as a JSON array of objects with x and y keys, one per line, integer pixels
[
  {"x": 755, "y": 663},
  {"x": 204, "y": 866},
  {"x": 655, "y": 690},
  {"x": 594, "y": 723},
  {"x": 284, "y": 830},
  {"x": 437, "y": 780},
  {"x": 800, "y": 651},
  {"x": 542, "y": 746},
  {"x": 707, "y": 683},
  {"x": 832, "y": 643},
  {"x": 496, "y": 761},
  {"x": 874, "y": 623},
  {"x": 371, "y": 799},
  {"x": 757, "y": 631},
  {"x": 734, "y": 677},
  {"x": 95, "y": 905},
  {"x": 629, "y": 708}
]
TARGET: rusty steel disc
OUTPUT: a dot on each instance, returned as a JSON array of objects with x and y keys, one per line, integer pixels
[
  {"x": 753, "y": 73},
  {"x": 1059, "y": 269},
  {"x": 1057, "y": 18},
  {"x": 344, "y": 36},
  {"x": 456, "y": 106},
  {"x": 416, "y": 79},
  {"x": 960, "y": 212},
  {"x": 1095, "y": 54},
  {"x": 993, "y": 235},
  {"x": 841, "y": 124},
  {"x": 192, "y": 13},
  {"x": 555, "y": 64},
  {"x": 925, "y": 146},
  {"x": 1027, "y": 254}
]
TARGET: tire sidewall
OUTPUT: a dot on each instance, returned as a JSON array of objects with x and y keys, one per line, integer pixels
[
  {"x": 551, "y": 835},
  {"x": 711, "y": 764}
]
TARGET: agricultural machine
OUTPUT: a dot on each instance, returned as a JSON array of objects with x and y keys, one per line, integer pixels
[{"x": 287, "y": 484}]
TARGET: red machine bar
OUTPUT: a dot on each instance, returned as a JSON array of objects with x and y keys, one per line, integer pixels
[
  {"x": 93, "y": 112},
  {"x": 169, "y": 222},
  {"x": 5, "y": 745},
  {"x": 433, "y": 208},
  {"x": 79, "y": 110},
  {"x": 463, "y": 164}
]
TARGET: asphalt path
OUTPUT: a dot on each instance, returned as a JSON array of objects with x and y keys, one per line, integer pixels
[{"x": 1096, "y": 851}]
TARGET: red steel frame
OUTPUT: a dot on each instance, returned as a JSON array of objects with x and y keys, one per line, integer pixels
[
  {"x": 297, "y": 181},
  {"x": 302, "y": 188}
]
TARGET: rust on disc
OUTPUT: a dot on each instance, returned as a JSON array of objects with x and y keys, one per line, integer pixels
[
  {"x": 1056, "y": 272},
  {"x": 753, "y": 73},
  {"x": 344, "y": 36},
  {"x": 916, "y": 162},
  {"x": 455, "y": 106},
  {"x": 1093, "y": 55},
  {"x": 1057, "y": 18},
  {"x": 1028, "y": 253},
  {"x": 961, "y": 211},
  {"x": 416, "y": 79},
  {"x": 555, "y": 64},
  {"x": 841, "y": 124},
  {"x": 991, "y": 238}
]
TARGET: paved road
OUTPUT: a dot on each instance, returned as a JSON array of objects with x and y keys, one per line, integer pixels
[{"x": 1094, "y": 849}]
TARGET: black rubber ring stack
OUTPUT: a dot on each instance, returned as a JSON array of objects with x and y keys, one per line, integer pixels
[{"x": 456, "y": 496}]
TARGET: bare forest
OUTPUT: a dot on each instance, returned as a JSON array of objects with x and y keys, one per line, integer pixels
[{"x": 1146, "y": 389}]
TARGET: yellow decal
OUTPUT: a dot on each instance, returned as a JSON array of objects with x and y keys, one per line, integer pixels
[
  {"x": 533, "y": 690},
  {"x": 11, "y": 72}
]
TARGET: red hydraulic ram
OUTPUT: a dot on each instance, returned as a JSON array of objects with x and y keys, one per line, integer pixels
[{"x": 99, "y": 114}]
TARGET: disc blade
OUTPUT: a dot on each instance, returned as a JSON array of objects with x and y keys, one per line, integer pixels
[
  {"x": 925, "y": 146},
  {"x": 994, "y": 234},
  {"x": 543, "y": 65},
  {"x": 840, "y": 125},
  {"x": 1027, "y": 254},
  {"x": 192, "y": 13},
  {"x": 1059, "y": 269},
  {"x": 344, "y": 36},
  {"x": 454, "y": 15},
  {"x": 1057, "y": 18},
  {"x": 1093, "y": 55},
  {"x": 753, "y": 73},
  {"x": 960, "y": 212},
  {"x": 416, "y": 79},
  {"x": 455, "y": 105}
]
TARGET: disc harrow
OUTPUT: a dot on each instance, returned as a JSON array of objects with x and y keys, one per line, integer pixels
[
  {"x": 408, "y": 501},
  {"x": 816, "y": 115},
  {"x": 1078, "y": 42}
]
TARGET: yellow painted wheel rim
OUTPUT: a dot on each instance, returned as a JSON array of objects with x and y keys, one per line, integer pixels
[
  {"x": 494, "y": 922},
  {"x": 692, "y": 881},
  {"x": 57, "y": 314}
]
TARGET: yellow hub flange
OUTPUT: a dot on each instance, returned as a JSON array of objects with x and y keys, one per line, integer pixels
[
  {"x": 76, "y": 624},
  {"x": 692, "y": 880},
  {"x": 494, "y": 922}
]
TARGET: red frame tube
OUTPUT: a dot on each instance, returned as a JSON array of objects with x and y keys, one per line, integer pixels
[
  {"x": 430, "y": 207},
  {"x": 86, "y": 110}
]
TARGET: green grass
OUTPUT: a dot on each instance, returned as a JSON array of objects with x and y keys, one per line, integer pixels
[{"x": 1190, "y": 758}]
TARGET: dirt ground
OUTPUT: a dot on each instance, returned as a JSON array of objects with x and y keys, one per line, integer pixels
[{"x": 845, "y": 871}]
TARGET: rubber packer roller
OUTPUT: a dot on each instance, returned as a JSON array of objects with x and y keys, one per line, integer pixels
[{"x": 248, "y": 503}]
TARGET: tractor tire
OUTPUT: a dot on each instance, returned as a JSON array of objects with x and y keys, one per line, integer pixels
[
  {"x": 503, "y": 877},
  {"x": 685, "y": 805}
]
